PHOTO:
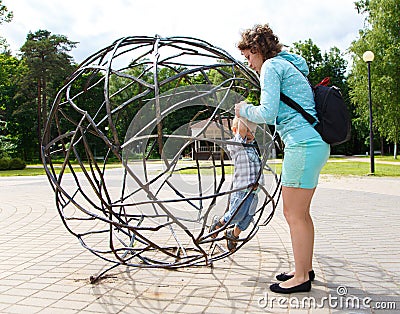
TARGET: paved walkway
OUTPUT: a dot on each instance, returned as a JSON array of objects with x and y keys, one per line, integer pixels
[{"x": 43, "y": 269}]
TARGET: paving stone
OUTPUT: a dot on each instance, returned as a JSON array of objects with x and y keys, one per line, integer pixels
[{"x": 45, "y": 270}]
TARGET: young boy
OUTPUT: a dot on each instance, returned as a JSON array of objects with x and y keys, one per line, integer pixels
[{"x": 247, "y": 164}]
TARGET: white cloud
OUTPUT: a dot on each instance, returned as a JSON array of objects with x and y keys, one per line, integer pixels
[
  {"x": 327, "y": 23},
  {"x": 96, "y": 24}
]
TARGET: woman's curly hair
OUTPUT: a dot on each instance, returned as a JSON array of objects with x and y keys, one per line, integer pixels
[{"x": 261, "y": 39}]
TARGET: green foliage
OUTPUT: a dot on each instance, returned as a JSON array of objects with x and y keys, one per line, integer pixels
[
  {"x": 4, "y": 163},
  {"x": 7, "y": 146},
  {"x": 46, "y": 57},
  {"x": 9, "y": 71},
  {"x": 11, "y": 125},
  {"x": 12, "y": 164},
  {"x": 330, "y": 64},
  {"x": 27, "y": 86},
  {"x": 381, "y": 36},
  {"x": 312, "y": 54},
  {"x": 17, "y": 164},
  {"x": 5, "y": 15},
  {"x": 126, "y": 95},
  {"x": 362, "y": 6}
]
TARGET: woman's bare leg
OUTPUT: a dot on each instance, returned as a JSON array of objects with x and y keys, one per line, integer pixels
[{"x": 296, "y": 208}]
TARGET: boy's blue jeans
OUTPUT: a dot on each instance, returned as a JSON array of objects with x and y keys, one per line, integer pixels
[{"x": 245, "y": 213}]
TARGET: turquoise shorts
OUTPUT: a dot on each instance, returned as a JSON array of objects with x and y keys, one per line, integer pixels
[{"x": 303, "y": 161}]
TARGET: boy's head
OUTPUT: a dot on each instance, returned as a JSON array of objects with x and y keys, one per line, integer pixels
[{"x": 244, "y": 127}]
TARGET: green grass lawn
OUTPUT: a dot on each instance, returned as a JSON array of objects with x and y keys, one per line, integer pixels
[
  {"x": 367, "y": 159},
  {"x": 356, "y": 169},
  {"x": 38, "y": 169},
  {"x": 335, "y": 166},
  {"x": 360, "y": 169},
  {"x": 391, "y": 159},
  {"x": 28, "y": 171}
]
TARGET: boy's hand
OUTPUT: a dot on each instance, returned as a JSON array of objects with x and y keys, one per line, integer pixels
[
  {"x": 249, "y": 136},
  {"x": 242, "y": 129}
]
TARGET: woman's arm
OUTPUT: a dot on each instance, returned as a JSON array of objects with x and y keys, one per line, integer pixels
[{"x": 268, "y": 109}]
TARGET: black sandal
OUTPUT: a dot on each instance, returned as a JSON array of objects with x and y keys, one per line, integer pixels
[
  {"x": 215, "y": 225},
  {"x": 231, "y": 240}
]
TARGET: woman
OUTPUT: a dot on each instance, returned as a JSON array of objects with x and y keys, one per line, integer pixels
[{"x": 305, "y": 153}]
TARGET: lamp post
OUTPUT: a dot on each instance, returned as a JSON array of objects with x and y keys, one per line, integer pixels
[{"x": 368, "y": 57}]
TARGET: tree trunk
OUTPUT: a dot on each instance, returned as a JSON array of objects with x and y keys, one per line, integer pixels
[
  {"x": 39, "y": 113},
  {"x": 44, "y": 108}
]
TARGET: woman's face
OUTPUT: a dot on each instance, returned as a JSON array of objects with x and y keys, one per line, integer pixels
[{"x": 255, "y": 59}]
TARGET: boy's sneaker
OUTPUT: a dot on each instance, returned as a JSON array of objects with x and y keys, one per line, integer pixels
[
  {"x": 231, "y": 240},
  {"x": 216, "y": 224}
]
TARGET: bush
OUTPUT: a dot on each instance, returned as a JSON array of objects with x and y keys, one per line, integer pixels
[
  {"x": 12, "y": 164},
  {"x": 17, "y": 164},
  {"x": 4, "y": 164}
]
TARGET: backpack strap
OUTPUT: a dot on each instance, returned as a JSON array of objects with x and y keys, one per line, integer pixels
[{"x": 292, "y": 104}]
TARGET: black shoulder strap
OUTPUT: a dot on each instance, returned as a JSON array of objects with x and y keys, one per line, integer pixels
[{"x": 292, "y": 104}]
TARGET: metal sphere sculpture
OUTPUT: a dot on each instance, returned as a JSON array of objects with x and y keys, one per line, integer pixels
[{"x": 141, "y": 129}]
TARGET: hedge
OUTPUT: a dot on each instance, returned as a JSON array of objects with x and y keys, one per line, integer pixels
[{"x": 12, "y": 164}]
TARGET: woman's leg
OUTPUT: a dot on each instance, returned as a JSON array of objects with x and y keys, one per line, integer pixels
[{"x": 296, "y": 208}]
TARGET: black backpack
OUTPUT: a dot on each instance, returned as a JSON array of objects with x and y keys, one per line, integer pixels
[{"x": 334, "y": 123}]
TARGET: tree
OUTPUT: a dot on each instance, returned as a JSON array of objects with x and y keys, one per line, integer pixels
[
  {"x": 5, "y": 16},
  {"x": 330, "y": 64},
  {"x": 49, "y": 64},
  {"x": 381, "y": 36},
  {"x": 10, "y": 71},
  {"x": 312, "y": 54}
]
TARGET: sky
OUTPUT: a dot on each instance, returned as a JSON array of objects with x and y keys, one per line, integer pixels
[{"x": 95, "y": 24}]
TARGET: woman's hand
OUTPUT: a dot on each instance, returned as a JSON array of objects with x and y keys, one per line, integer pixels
[{"x": 237, "y": 108}]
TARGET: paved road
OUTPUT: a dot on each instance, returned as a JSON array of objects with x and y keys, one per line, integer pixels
[{"x": 43, "y": 269}]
